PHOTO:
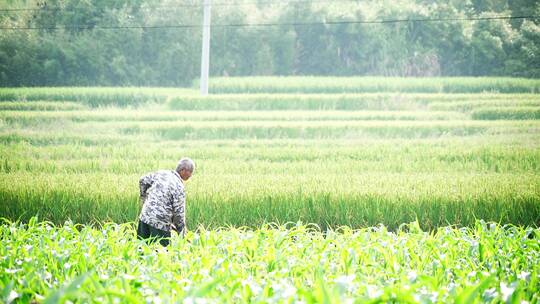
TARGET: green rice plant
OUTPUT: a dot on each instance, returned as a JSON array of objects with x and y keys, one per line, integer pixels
[
  {"x": 313, "y": 130},
  {"x": 508, "y": 113},
  {"x": 93, "y": 97},
  {"x": 251, "y": 85},
  {"x": 40, "y": 106},
  {"x": 332, "y": 200},
  {"x": 8, "y": 95},
  {"x": 115, "y": 114},
  {"x": 331, "y": 156},
  {"x": 250, "y": 102},
  {"x": 51, "y": 138},
  {"x": 273, "y": 264},
  {"x": 467, "y": 106},
  {"x": 343, "y": 101}
]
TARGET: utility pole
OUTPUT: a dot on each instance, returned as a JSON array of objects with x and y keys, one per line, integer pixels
[{"x": 205, "y": 58}]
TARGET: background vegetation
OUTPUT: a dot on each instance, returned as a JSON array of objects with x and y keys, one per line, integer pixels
[{"x": 82, "y": 53}]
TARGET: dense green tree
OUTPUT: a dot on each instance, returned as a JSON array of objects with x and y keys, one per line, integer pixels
[{"x": 99, "y": 42}]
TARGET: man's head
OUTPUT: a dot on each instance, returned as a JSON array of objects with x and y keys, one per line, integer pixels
[{"x": 185, "y": 168}]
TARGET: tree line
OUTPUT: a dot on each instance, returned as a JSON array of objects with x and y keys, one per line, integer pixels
[{"x": 158, "y": 43}]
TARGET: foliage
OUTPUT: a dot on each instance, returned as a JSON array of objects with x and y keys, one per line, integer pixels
[
  {"x": 507, "y": 113},
  {"x": 372, "y": 85},
  {"x": 273, "y": 264},
  {"x": 84, "y": 50}
]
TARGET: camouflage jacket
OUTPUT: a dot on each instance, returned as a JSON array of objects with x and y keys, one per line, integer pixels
[{"x": 164, "y": 200}]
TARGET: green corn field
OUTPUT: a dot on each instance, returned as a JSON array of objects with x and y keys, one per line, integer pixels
[{"x": 276, "y": 264}]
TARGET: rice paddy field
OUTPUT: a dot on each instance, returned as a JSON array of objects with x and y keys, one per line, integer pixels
[{"x": 307, "y": 190}]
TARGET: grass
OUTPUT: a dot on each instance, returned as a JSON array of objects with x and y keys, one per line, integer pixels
[
  {"x": 371, "y": 84},
  {"x": 475, "y": 154},
  {"x": 467, "y": 106},
  {"x": 40, "y": 106},
  {"x": 484, "y": 263},
  {"x": 92, "y": 96},
  {"x": 33, "y": 117},
  {"x": 317, "y": 129},
  {"x": 341, "y": 101},
  {"x": 306, "y": 131},
  {"x": 509, "y": 113}
]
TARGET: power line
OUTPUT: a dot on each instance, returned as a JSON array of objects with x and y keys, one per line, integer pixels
[{"x": 343, "y": 22}]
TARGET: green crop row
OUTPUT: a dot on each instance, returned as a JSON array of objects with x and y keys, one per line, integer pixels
[
  {"x": 40, "y": 106},
  {"x": 52, "y": 138},
  {"x": 68, "y": 131},
  {"x": 467, "y": 106},
  {"x": 329, "y": 200},
  {"x": 93, "y": 97},
  {"x": 114, "y": 114},
  {"x": 371, "y": 84},
  {"x": 281, "y": 264},
  {"x": 365, "y": 101},
  {"x": 508, "y": 113},
  {"x": 420, "y": 157},
  {"x": 317, "y": 130},
  {"x": 187, "y": 100}
]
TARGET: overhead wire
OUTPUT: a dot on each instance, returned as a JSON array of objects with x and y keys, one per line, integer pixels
[{"x": 337, "y": 22}]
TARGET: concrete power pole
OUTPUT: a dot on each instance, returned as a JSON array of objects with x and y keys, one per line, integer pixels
[{"x": 205, "y": 58}]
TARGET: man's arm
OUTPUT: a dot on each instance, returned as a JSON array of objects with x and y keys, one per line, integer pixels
[
  {"x": 145, "y": 182},
  {"x": 179, "y": 212}
]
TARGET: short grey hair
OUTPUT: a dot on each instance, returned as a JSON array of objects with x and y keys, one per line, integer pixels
[{"x": 185, "y": 163}]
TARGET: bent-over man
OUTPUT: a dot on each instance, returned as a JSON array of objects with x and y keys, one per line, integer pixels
[{"x": 164, "y": 202}]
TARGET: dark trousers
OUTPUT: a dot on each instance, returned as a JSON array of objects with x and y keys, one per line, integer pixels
[{"x": 151, "y": 234}]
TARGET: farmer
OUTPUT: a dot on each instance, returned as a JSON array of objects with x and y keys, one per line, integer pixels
[{"x": 164, "y": 202}]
